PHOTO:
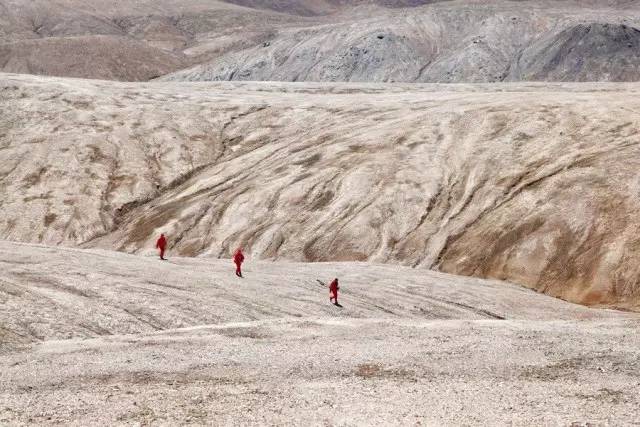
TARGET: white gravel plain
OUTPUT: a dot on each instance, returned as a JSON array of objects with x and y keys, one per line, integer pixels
[{"x": 91, "y": 337}]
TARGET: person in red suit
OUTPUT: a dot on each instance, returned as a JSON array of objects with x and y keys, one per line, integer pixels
[
  {"x": 238, "y": 258},
  {"x": 333, "y": 291},
  {"x": 161, "y": 244}
]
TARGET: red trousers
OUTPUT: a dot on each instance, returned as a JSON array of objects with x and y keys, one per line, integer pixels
[
  {"x": 238, "y": 269},
  {"x": 162, "y": 253}
]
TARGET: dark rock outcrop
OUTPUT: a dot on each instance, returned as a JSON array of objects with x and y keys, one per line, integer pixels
[{"x": 585, "y": 52}]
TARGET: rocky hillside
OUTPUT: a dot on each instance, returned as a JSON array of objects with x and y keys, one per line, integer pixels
[
  {"x": 534, "y": 184},
  {"x": 584, "y": 52},
  {"x": 456, "y": 41},
  {"x": 323, "y": 7},
  {"x": 103, "y": 57},
  {"x": 327, "y": 40},
  {"x": 128, "y": 40}
]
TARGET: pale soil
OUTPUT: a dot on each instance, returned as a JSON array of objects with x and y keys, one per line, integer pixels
[
  {"x": 532, "y": 183},
  {"x": 335, "y": 372},
  {"x": 186, "y": 342}
]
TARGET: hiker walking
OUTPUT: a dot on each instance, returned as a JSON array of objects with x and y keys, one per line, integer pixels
[
  {"x": 333, "y": 291},
  {"x": 238, "y": 258},
  {"x": 162, "y": 245}
]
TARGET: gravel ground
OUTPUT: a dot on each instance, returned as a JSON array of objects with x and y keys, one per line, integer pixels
[
  {"x": 60, "y": 293},
  {"x": 334, "y": 372},
  {"x": 91, "y": 337}
]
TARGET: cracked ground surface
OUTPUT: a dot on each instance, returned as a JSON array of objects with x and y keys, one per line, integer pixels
[{"x": 91, "y": 337}]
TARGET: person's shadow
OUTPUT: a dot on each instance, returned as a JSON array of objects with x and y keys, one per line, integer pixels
[{"x": 337, "y": 305}]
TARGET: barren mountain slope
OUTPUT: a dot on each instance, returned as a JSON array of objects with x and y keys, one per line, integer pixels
[
  {"x": 324, "y": 7},
  {"x": 125, "y": 40},
  {"x": 294, "y": 7},
  {"x": 105, "y": 57},
  {"x": 536, "y": 184},
  {"x": 582, "y": 53},
  {"x": 329, "y": 40},
  {"x": 458, "y": 41},
  {"x": 96, "y": 337}
]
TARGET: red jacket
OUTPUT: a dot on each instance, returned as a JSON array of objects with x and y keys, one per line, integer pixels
[
  {"x": 238, "y": 258},
  {"x": 161, "y": 243},
  {"x": 333, "y": 286}
]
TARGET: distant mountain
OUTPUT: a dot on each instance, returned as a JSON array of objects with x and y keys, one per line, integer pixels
[
  {"x": 125, "y": 40},
  {"x": 584, "y": 52},
  {"x": 322, "y": 7},
  {"x": 323, "y": 40},
  {"x": 102, "y": 57},
  {"x": 445, "y": 42}
]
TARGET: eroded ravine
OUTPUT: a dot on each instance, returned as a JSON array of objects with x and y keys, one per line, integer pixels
[{"x": 534, "y": 184}]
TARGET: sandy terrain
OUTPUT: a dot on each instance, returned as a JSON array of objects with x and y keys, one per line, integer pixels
[
  {"x": 110, "y": 338},
  {"x": 531, "y": 183}
]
